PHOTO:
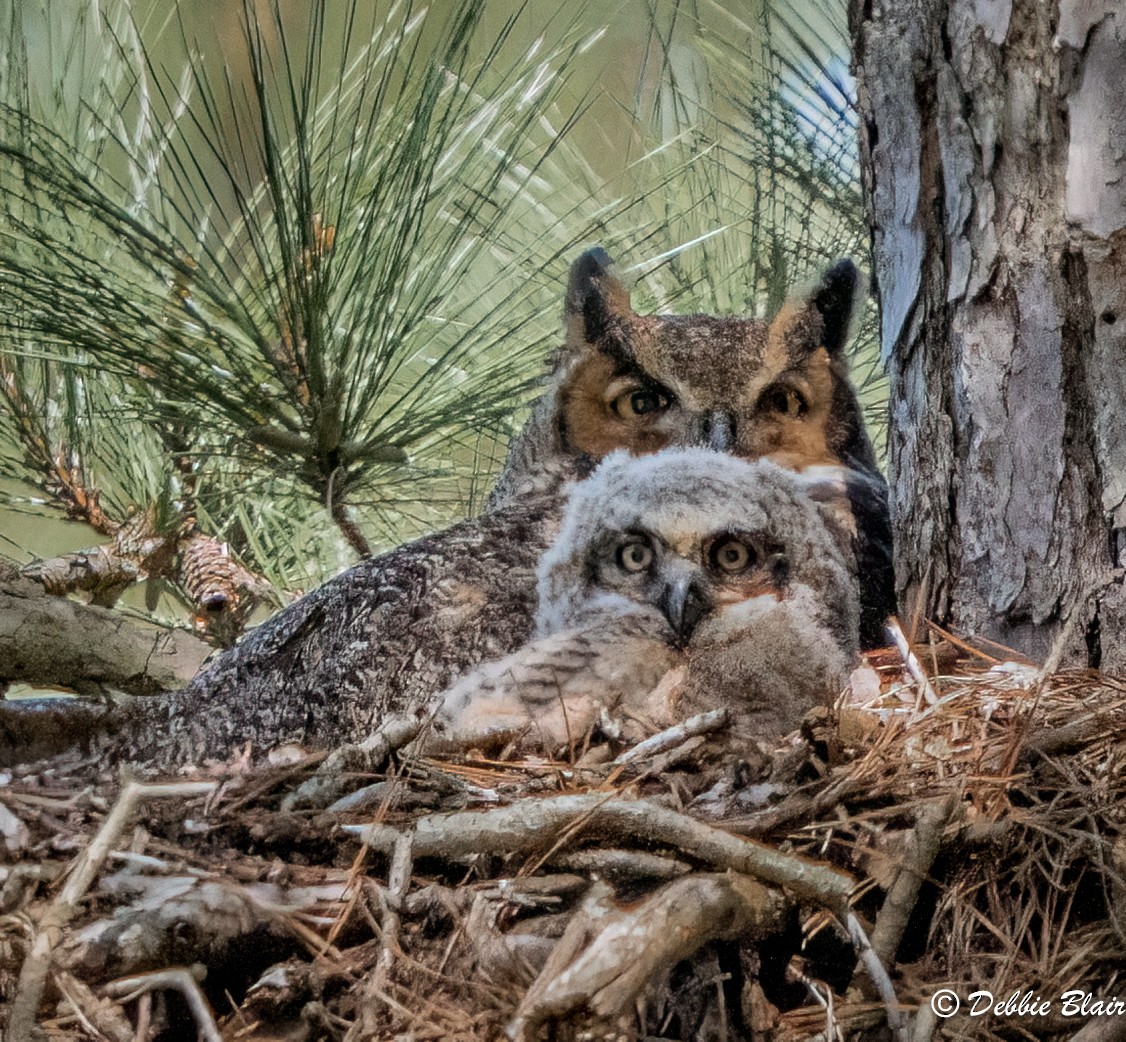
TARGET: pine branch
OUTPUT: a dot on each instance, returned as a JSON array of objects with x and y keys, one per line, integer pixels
[
  {"x": 61, "y": 478},
  {"x": 323, "y": 292}
]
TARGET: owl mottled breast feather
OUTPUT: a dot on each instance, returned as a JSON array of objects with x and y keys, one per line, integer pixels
[{"x": 385, "y": 635}]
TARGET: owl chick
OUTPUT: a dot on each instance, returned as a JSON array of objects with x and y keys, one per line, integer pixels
[{"x": 679, "y": 582}]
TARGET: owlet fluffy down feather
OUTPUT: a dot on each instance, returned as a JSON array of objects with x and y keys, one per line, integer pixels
[{"x": 679, "y": 582}]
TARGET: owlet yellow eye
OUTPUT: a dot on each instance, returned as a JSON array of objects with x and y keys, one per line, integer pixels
[
  {"x": 732, "y": 555},
  {"x": 641, "y": 402},
  {"x": 635, "y": 556}
]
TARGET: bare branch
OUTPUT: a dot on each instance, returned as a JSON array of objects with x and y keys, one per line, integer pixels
[
  {"x": 398, "y": 883},
  {"x": 637, "y": 946},
  {"x": 52, "y": 641},
  {"x": 348, "y": 528},
  {"x": 99, "y": 571},
  {"x": 62, "y": 478},
  {"x": 703, "y": 723},
  {"x": 900, "y": 901},
  {"x": 529, "y": 825},
  {"x": 178, "y": 979},
  {"x": 871, "y": 962}
]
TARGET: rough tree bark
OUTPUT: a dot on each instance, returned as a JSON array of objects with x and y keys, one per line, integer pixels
[{"x": 993, "y": 149}]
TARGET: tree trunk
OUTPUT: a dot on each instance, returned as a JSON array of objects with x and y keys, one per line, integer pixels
[{"x": 993, "y": 150}]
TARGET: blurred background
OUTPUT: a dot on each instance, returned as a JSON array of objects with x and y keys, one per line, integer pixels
[{"x": 278, "y": 278}]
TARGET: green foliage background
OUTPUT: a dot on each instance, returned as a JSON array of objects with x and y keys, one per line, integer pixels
[{"x": 308, "y": 262}]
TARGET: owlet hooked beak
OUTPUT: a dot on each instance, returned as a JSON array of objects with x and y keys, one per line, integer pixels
[{"x": 684, "y": 602}]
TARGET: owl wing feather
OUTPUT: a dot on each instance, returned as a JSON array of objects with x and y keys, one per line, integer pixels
[
  {"x": 381, "y": 638},
  {"x": 556, "y": 688}
]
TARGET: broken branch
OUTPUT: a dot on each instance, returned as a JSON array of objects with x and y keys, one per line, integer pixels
[
  {"x": 526, "y": 826},
  {"x": 638, "y": 946}
]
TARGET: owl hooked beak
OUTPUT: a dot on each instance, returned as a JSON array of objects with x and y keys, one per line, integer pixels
[
  {"x": 684, "y": 603},
  {"x": 717, "y": 430}
]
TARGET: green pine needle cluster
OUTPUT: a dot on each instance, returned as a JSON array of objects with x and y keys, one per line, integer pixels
[{"x": 305, "y": 295}]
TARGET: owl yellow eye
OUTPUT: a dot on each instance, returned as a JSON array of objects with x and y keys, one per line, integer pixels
[
  {"x": 783, "y": 400},
  {"x": 732, "y": 555},
  {"x": 640, "y": 402},
  {"x": 635, "y": 556}
]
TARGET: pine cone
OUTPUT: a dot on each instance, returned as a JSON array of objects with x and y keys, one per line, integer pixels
[{"x": 222, "y": 592}]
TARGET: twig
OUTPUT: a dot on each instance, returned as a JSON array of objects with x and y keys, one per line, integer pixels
[
  {"x": 704, "y": 723},
  {"x": 33, "y": 973},
  {"x": 331, "y": 778},
  {"x": 99, "y": 571},
  {"x": 636, "y": 947},
  {"x": 661, "y": 764},
  {"x": 612, "y": 863},
  {"x": 596, "y": 908},
  {"x": 1067, "y": 738},
  {"x": 895, "y": 631},
  {"x": 897, "y": 1022},
  {"x": 287, "y": 917},
  {"x": 344, "y": 521},
  {"x": 962, "y": 645},
  {"x": 144, "y": 1017},
  {"x": 526, "y": 826},
  {"x": 900, "y": 901},
  {"x": 105, "y": 1020},
  {"x": 126, "y": 989},
  {"x": 926, "y": 1023},
  {"x": 832, "y": 1031},
  {"x": 65, "y": 483},
  {"x": 398, "y": 883},
  {"x": 798, "y": 807}
]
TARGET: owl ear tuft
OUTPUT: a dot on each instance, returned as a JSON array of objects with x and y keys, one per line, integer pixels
[
  {"x": 835, "y": 298},
  {"x": 595, "y": 296}
]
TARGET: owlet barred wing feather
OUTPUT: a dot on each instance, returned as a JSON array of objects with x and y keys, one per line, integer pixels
[
  {"x": 393, "y": 630},
  {"x": 679, "y": 582}
]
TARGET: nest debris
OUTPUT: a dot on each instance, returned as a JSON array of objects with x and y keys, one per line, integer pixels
[{"x": 961, "y": 830}]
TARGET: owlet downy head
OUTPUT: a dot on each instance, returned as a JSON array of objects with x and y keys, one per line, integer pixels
[
  {"x": 695, "y": 536},
  {"x": 679, "y": 583}
]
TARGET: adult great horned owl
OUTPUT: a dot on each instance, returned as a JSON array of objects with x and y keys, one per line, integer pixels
[
  {"x": 395, "y": 629},
  {"x": 740, "y": 385},
  {"x": 679, "y": 582}
]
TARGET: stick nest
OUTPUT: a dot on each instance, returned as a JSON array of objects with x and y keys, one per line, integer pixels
[{"x": 957, "y": 830}]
